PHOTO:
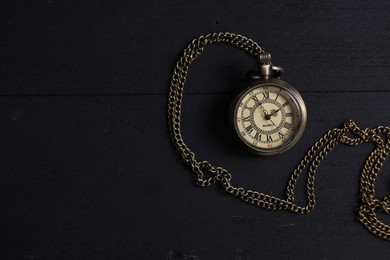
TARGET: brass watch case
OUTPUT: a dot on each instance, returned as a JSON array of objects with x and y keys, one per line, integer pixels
[{"x": 298, "y": 101}]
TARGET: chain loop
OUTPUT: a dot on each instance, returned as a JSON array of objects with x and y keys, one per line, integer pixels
[{"x": 309, "y": 164}]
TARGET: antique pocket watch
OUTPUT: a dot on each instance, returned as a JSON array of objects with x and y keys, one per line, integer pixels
[{"x": 269, "y": 116}]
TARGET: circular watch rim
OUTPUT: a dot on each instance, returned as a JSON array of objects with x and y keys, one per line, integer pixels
[{"x": 298, "y": 101}]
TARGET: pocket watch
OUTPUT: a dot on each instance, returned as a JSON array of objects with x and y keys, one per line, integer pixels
[{"x": 269, "y": 116}]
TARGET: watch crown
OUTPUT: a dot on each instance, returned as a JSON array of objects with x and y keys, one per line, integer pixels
[
  {"x": 264, "y": 58},
  {"x": 265, "y": 69}
]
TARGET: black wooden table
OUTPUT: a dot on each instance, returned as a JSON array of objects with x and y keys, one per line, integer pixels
[{"x": 87, "y": 167}]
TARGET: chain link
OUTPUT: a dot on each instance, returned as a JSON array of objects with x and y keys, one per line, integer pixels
[{"x": 309, "y": 164}]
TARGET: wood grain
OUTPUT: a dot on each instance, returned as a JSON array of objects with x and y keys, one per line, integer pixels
[{"x": 87, "y": 167}]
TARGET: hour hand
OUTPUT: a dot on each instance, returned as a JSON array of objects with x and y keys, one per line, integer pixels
[{"x": 266, "y": 115}]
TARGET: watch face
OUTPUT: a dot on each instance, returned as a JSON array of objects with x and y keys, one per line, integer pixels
[{"x": 269, "y": 117}]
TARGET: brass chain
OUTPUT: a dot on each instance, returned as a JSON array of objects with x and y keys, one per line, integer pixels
[{"x": 379, "y": 135}]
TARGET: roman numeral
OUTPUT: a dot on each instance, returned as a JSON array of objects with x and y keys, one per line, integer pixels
[
  {"x": 266, "y": 94},
  {"x": 287, "y": 102},
  {"x": 246, "y": 119},
  {"x": 249, "y": 128},
  {"x": 282, "y": 136},
  {"x": 278, "y": 94},
  {"x": 288, "y": 126},
  {"x": 255, "y": 99},
  {"x": 269, "y": 138},
  {"x": 258, "y": 136}
]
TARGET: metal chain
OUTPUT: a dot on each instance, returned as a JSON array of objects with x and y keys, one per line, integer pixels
[{"x": 311, "y": 161}]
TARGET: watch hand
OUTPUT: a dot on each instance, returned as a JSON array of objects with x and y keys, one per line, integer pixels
[
  {"x": 256, "y": 100},
  {"x": 273, "y": 122},
  {"x": 274, "y": 112},
  {"x": 266, "y": 115},
  {"x": 280, "y": 133}
]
